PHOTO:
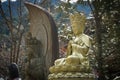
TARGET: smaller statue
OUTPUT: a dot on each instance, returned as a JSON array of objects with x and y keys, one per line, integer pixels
[
  {"x": 76, "y": 59},
  {"x": 34, "y": 65},
  {"x": 33, "y": 47}
]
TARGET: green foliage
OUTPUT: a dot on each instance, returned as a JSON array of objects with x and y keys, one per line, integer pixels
[{"x": 105, "y": 13}]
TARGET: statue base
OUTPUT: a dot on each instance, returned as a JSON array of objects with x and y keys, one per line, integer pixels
[
  {"x": 71, "y": 76},
  {"x": 74, "y": 79}
]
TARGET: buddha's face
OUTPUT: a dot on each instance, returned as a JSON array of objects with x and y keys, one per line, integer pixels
[{"x": 77, "y": 28}]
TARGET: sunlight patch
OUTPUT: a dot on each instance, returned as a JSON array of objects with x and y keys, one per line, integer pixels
[
  {"x": 71, "y": 1},
  {"x": 6, "y": 0}
]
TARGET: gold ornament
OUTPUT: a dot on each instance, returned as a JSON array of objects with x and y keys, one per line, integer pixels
[{"x": 77, "y": 17}]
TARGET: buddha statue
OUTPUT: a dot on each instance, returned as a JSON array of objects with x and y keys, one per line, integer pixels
[{"x": 77, "y": 50}]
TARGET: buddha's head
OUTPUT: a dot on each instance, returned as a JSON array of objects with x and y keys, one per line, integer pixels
[{"x": 78, "y": 23}]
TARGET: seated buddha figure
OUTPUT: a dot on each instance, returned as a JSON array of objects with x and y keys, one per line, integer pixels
[{"x": 76, "y": 59}]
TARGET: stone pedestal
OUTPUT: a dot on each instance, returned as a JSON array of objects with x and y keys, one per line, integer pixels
[{"x": 71, "y": 76}]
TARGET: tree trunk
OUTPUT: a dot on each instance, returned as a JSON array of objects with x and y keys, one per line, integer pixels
[{"x": 98, "y": 21}]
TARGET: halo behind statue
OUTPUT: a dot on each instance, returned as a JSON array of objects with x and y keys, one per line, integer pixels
[{"x": 44, "y": 29}]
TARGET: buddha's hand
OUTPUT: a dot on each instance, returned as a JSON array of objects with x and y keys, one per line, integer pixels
[
  {"x": 80, "y": 49},
  {"x": 69, "y": 48}
]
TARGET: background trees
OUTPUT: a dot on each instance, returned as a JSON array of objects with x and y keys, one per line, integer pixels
[{"x": 13, "y": 19}]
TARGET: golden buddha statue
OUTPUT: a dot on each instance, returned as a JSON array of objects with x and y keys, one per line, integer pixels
[{"x": 76, "y": 59}]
